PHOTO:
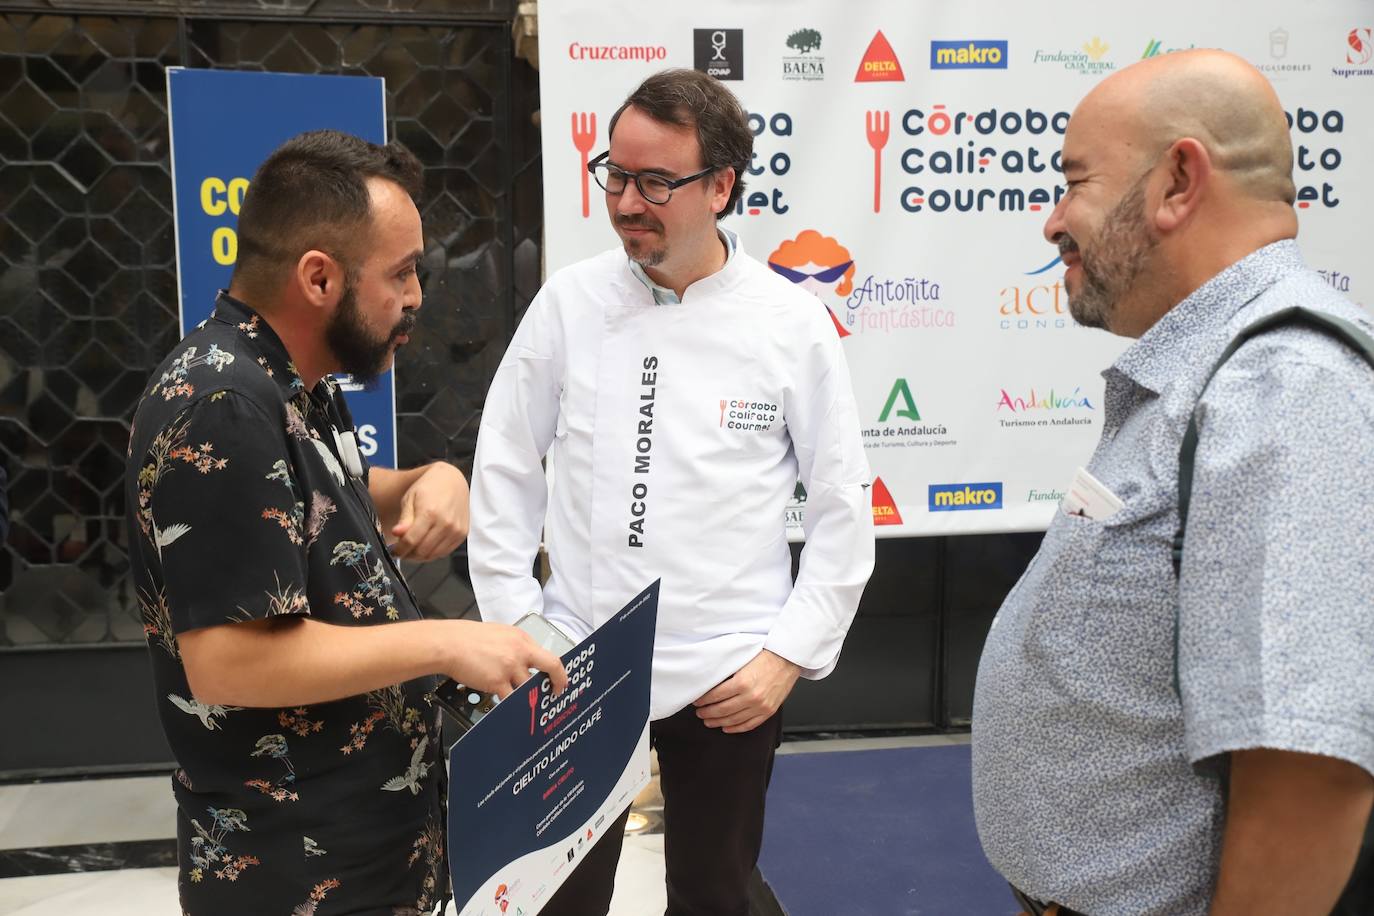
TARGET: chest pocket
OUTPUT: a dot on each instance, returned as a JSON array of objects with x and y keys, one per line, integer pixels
[{"x": 1102, "y": 582}]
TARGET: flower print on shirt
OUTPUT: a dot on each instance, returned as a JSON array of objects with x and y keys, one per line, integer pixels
[
  {"x": 375, "y": 585},
  {"x": 208, "y": 848}
]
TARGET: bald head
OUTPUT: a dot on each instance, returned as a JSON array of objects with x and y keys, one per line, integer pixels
[
  {"x": 1211, "y": 96},
  {"x": 1176, "y": 168}
]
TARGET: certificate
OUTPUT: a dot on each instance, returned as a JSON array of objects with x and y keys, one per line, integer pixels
[{"x": 534, "y": 783}]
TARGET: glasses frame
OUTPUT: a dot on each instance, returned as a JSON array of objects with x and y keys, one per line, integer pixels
[{"x": 672, "y": 183}]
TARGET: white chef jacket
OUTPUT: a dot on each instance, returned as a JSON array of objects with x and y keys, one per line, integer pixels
[{"x": 677, "y": 434}]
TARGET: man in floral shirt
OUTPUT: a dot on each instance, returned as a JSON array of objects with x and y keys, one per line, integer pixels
[{"x": 290, "y": 659}]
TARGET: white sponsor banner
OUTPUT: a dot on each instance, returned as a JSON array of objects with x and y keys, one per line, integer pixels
[{"x": 905, "y": 164}]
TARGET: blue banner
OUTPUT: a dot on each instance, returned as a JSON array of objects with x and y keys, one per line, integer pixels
[
  {"x": 536, "y": 781},
  {"x": 224, "y": 123}
]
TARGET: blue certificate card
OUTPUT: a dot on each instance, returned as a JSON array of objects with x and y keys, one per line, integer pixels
[{"x": 534, "y": 783}]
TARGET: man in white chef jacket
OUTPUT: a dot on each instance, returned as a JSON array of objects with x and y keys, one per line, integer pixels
[{"x": 681, "y": 388}]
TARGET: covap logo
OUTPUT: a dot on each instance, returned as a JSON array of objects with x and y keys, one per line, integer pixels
[
  {"x": 817, "y": 263},
  {"x": 968, "y": 55},
  {"x": 720, "y": 52},
  {"x": 960, "y": 497}
]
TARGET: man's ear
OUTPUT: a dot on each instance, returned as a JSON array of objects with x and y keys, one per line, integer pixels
[
  {"x": 1188, "y": 173},
  {"x": 722, "y": 183},
  {"x": 319, "y": 279}
]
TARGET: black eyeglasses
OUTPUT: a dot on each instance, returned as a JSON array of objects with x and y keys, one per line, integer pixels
[{"x": 656, "y": 189}]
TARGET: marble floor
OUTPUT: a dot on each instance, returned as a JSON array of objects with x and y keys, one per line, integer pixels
[{"x": 65, "y": 842}]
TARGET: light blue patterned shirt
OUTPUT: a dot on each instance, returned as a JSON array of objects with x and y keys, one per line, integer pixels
[{"x": 1094, "y": 786}]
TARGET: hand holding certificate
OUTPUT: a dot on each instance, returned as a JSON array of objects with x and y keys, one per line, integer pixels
[{"x": 535, "y": 780}]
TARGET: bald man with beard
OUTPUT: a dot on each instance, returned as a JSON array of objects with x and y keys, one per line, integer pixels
[{"x": 1101, "y": 784}]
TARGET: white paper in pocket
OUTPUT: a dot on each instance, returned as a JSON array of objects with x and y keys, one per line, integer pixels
[{"x": 1089, "y": 497}]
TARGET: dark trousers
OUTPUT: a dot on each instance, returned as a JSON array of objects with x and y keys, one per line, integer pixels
[{"x": 714, "y": 787}]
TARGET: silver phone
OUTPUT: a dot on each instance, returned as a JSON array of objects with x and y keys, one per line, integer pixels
[{"x": 467, "y": 706}]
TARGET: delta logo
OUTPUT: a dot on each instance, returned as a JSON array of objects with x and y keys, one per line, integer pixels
[
  {"x": 961, "y": 497},
  {"x": 884, "y": 506},
  {"x": 818, "y": 264},
  {"x": 968, "y": 55},
  {"x": 879, "y": 64}
]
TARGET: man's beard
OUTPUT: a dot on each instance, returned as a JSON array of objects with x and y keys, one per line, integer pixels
[
  {"x": 639, "y": 250},
  {"x": 1113, "y": 263},
  {"x": 359, "y": 353}
]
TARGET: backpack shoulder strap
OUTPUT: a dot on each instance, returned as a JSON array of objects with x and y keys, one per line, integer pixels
[{"x": 1342, "y": 329}]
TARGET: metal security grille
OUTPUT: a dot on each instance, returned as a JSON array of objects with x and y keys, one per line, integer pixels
[{"x": 88, "y": 301}]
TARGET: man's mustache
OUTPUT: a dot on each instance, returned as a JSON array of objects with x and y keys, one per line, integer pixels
[
  {"x": 404, "y": 326},
  {"x": 637, "y": 221}
]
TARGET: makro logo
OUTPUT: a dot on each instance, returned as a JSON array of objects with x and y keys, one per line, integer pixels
[
  {"x": 958, "y": 497},
  {"x": 968, "y": 55}
]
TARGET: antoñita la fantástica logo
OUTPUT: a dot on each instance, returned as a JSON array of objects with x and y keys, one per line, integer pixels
[{"x": 820, "y": 265}]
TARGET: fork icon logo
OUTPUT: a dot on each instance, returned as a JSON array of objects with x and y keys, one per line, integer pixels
[
  {"x": 877, "y": 124},
  {"x": 584, "y": 138}
]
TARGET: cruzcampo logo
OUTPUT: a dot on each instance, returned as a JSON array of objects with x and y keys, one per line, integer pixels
[{"x": 908, "y": 409}]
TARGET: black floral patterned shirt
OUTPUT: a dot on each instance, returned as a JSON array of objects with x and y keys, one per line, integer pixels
[{"x": 241, "y": 508}]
